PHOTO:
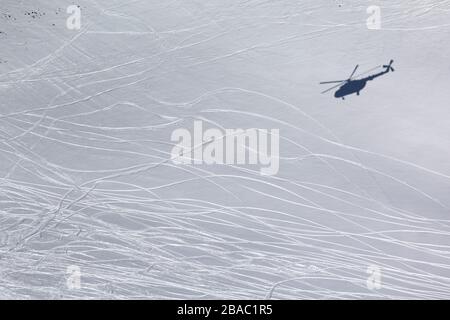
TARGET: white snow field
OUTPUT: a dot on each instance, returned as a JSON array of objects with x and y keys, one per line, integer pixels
[{"x": 92, "y": 205}]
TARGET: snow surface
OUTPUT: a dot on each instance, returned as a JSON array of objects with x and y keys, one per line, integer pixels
[{"x": 86, "y": 178}]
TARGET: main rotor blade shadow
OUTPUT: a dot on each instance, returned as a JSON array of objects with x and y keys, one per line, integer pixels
[
  {"x": 354, "y": 70},
  {"x": 329, "y": 89}
]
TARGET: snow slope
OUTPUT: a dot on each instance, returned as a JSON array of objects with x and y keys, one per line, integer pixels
[{"x": 86, "y": 179}]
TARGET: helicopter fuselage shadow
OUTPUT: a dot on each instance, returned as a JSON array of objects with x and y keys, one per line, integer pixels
[{"x": 354, "y": 86}]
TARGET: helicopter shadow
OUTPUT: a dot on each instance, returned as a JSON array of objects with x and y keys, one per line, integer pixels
[{"x": 350, "y": 85}]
